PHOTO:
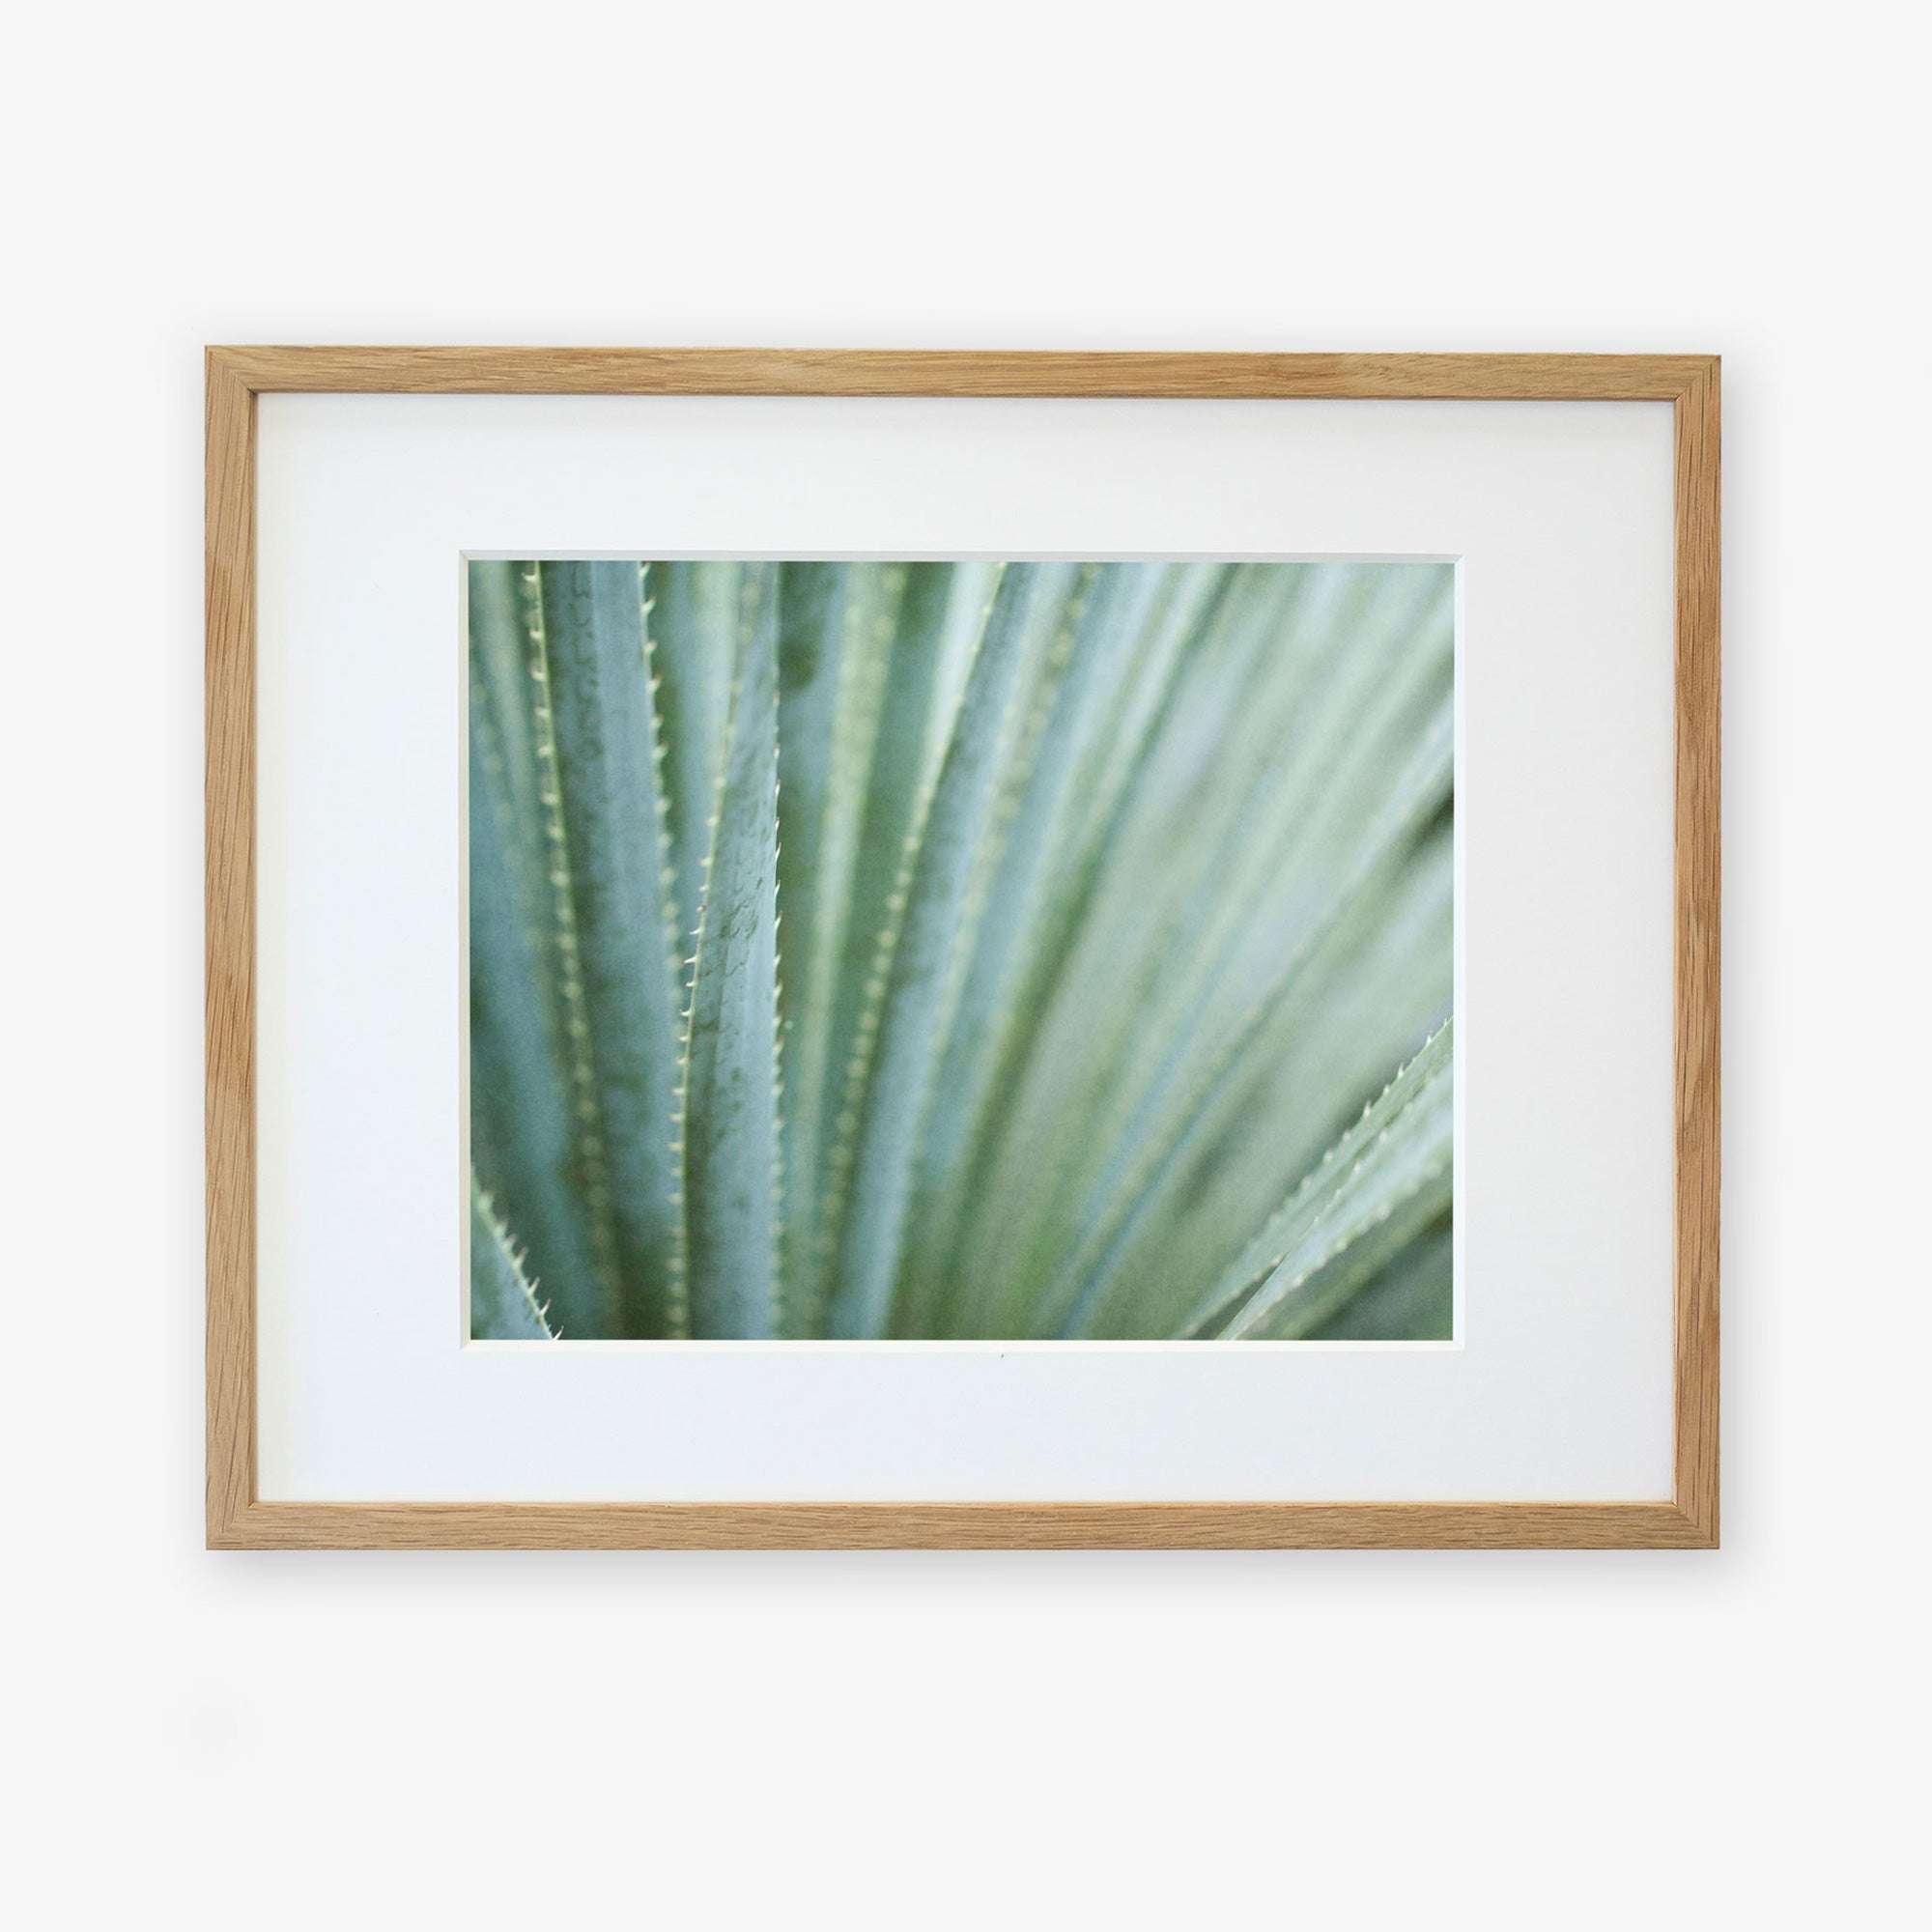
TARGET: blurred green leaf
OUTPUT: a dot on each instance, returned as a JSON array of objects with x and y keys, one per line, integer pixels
[{"x": 953, "y": 949}]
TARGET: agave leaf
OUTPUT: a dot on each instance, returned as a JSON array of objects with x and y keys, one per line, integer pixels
[
  {"x": 608, "y": 807},
  {"x": 593, "y": 1299},
  {"x": 1173, "y": 1133},
  {"x": 1351, "y": 678},
  {"x": 694, "y": 619},
  {"x": 503, "y": 1304},
  {"x": 1075, "y": 1064},
  {"x": 1411, "y": 1299},
  {"x": 812, "y": 628},
  {"x": 730, "y": 1101},
  {"x": 898, "y": 663},
  {"x": 901, "y": 657},
  {"x": 1362, "y": 1257},
  {"x": 913, "y": 970},
  {"x": 1221, "y": 797},
  {"x": 1104, "y": 620},
  {"x": 1399, "y": 1143},
  {"x": 501, "y": 714},
  {"x": 814, "y": 1036},
  {"x": 522, "y": 1138},
  {"x": 1351, "y": 696},
  {"x": 987, "y": 1187},
  {"x": 1381, "y": 996},
  {"x": 1328, "y": 657},
  {"x": 969, "y": 598},
  {"x": 1191, "y": 596}
]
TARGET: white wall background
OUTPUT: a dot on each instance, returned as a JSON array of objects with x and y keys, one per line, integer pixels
[{"x": 934, "y": 1741}]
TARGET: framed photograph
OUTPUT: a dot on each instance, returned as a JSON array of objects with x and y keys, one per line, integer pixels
[{"x": 864, "y": 949}]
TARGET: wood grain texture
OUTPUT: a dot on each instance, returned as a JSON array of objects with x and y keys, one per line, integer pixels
[
  {"x": 228, "y": 911},
  {"x": 1045, "y": 1525},
  {"x": 238, "y": 1519},
  {"x": 1697, "y": 936},
  {"x": 934, "y": 372}
]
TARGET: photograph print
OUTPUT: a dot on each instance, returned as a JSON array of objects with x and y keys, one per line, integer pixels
[{"x": 961, "y": 950}]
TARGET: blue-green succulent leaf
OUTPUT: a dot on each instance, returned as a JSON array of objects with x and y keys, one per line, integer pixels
[
  {"x": 694, "y": 619},
  {"x": 1398, "y": 1148},
  {"x": 810, "y": 644},
  {"x": 608, "y": 805},
  {"x": 912, "y": 971},
  {"x": 730, "y": 1100},
  {"x": 504, "y": 1303}
]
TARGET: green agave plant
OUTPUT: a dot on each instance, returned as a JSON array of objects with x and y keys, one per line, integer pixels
[{"x": 960, "y": 950}]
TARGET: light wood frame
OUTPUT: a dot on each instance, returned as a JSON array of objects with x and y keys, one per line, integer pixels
[{"x": 237, "y": 1519}]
